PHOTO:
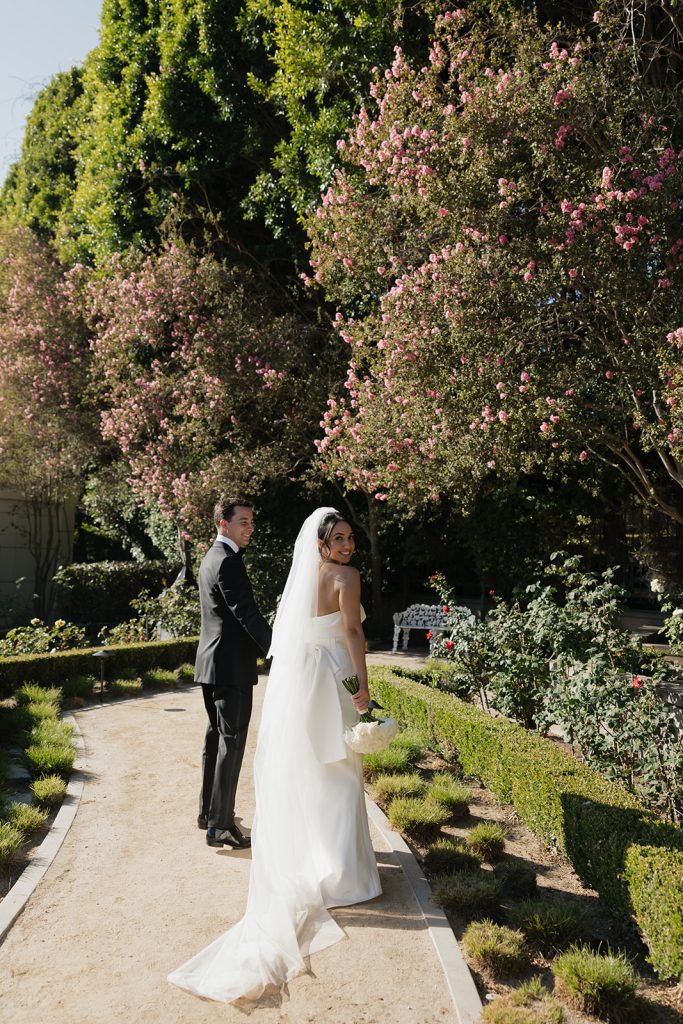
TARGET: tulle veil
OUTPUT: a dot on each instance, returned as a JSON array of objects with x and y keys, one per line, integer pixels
[{"x": 285, "y": 918}]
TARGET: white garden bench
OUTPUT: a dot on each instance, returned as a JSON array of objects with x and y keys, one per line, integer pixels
[{"x": 430, "y": 617}]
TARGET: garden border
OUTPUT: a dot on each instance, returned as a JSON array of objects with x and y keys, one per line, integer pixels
[
  {"x": 604, "y": 832},
  {"x": 25, "y": 885}
]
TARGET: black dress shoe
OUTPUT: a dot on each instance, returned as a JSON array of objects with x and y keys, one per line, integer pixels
[
  {"x": 202, "y": 822},
  {"x": 228, "y": 837}
]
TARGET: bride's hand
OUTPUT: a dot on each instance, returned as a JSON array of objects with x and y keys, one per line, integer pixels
[{"x": 361, "y": 700}]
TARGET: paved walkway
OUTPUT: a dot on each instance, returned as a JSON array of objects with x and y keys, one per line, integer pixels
[{"x": 134, "y": 891}]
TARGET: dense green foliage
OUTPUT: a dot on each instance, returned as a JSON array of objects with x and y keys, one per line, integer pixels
[
  {"x": 53, "y": 668},
  {"x": 595, "y": 823}
]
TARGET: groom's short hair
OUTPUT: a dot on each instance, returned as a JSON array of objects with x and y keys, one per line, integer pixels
[{"x": 225, "y": 508}]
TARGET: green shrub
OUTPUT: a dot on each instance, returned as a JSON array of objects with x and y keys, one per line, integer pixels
[
  {"x": 548, "y": 924},
  {"x": 53, "y": 668},
  {"x": 49, "y": 790},
  {"x": 388, "y": 787},
  {"x": 442, "y": 675},
  {"x": 26, "y": 817},
  {"x": 517, "y": 878},
  {"x": 11, "y": 840},
  {"x": 604, "y": 985},
  {"x": 655, "y": 881},
  {"x": 46, "y": 760},
  {"x": 445, "y": 789},
  {"x": 487, "y": 839},
  {"x": 103, "y": 591},
  {"x": 418, "y": 817},
  {"x": 595, "y": 823},
  {"x": 470, "y": 893},
  {"x": 39, "y": 638},
  {"x": 447, "y": 855},
  {"x": 495, "y": 947}
]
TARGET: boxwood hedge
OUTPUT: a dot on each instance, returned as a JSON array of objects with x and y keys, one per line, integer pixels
[
  {"x": 616, "y": 846},
  {"x": 47, "y": 669}
]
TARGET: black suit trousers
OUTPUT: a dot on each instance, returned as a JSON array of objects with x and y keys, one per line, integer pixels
[{"x": 224, "y": 743}]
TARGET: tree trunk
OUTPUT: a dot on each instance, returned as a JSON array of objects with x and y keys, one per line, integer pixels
[
  {"x": 186, "y": 573},
  {"x": 375, "y": 561}
]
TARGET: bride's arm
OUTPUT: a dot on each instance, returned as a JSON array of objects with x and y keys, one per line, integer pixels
[{"x": 349, "y": 606}]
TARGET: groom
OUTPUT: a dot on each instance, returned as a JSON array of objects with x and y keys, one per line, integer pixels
[{"x": 232, "y": 628}]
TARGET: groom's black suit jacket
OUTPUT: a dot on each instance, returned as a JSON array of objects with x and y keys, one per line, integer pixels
[{"x": 232, "y": 627}]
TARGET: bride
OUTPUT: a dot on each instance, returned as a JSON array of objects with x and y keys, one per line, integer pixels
[{"x": 311, "y": 847}]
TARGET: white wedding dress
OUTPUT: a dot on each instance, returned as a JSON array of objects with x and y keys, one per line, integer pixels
[{"x": 311, "y": 847}]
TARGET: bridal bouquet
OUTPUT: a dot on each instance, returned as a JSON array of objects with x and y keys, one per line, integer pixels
[{"x": 370, "y": 734}]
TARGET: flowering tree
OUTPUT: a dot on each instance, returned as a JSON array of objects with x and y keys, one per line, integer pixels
[
  {"x": 505, "y": 243},
  {"x": 46, "y": 424},
  {"x": 204, "y": 387}
]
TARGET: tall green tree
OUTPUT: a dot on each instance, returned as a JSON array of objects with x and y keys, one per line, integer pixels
[{"x": 39, "y": 187}]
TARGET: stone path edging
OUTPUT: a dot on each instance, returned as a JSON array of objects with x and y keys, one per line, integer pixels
[
  {"x": 466, "y": 1001},
  {"x": 18, "y": 896}
]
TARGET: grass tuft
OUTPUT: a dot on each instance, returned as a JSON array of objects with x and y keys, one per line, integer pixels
[
  {"x": 185, "y": 673},
  {"x": 495, "y": 947},
  {"x": 80, "y": 686},
  {"x": 488, "y": 840},
  {"x": 517, "y": 878},
  {"x": 126, "y": 687},
  {"x": 11, "y": 840},
  {"x": 31, "y": 693},
  {"x": 602, "y": 985},
  {"x": 159, "y": 678},
  {"x": 49, "y": 760},
  {"x": 49, "y": 790},
  {"x": 447, "y": 855},
  {"x": 418, "y": 817},
  {"x": 400, "y": 756},
  {"x": 528, "y": 1004},
  {"x": 52, "y": 732},
  {"x": 388, "y": 787},
  {"x": 445, "y": 789},
  {"x": 548, "y": 924},
  {"x": 26, "y": 817},
  {"x": 472, "y": 894}
]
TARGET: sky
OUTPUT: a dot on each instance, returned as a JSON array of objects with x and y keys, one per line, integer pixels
[{"x": 38, "y": 38}]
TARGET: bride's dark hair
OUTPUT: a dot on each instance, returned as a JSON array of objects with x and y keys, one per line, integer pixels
[{"x": 327, "y": 525}]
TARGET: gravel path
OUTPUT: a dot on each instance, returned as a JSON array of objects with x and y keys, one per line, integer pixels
[{"x": 134, "y": 891}]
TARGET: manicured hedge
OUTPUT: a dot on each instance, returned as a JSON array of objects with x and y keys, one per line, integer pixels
[
  {"x": 48, "y": 669},
  {"x": 614, "y": 844},
  {"x": 655, "y": 881},
  {"x": 102, "y": 591}
]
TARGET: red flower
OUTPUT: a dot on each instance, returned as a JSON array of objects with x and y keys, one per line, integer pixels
[
  {"x": 491, "y": 592},
  {"x": 449, "y": 645},
  {"x": 637, "y": 683},
  {"x": 445, "y": 609},
  {"x": 429, "y": 635}
]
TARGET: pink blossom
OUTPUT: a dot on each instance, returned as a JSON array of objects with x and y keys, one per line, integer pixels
[{"x": 583, "y": 456}]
